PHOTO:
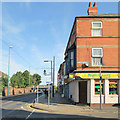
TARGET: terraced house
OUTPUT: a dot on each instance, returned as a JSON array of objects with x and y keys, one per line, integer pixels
[{"x": 92, "y": 47}]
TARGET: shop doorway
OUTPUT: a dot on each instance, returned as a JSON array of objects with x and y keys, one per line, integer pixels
[{"x": 83, "y": 92}]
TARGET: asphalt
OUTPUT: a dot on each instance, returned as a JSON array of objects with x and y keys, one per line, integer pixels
[
  {"x": 19, "y": 107},
  {"x": 13, "y": 107}
]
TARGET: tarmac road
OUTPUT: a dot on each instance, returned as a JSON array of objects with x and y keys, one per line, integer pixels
[{"x": 15, "y": 108}]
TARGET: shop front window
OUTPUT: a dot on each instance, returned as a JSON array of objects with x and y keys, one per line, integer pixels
[
  {"x": 97, "y": 87},
  {"x": 112, "y": 87}
]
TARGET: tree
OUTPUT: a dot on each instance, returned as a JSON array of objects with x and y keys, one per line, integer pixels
[
  {"x": 17, "y": 80},
  {"x": 25, "y": 75},
  {"x": 21, "y": 80},
  {"x": 4, "y": 81},
  {"x": 38, "y": 78},
  {"x": 32, "y": 80},
  {"x": 14, "y": 81}
]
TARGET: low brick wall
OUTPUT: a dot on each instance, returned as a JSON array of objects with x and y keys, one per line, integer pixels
[{"x": 16, "y": 91}]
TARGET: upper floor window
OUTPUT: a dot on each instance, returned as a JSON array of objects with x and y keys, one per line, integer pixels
[
  {"x": 97, "y": 56},
  {"x": 97, "y": 52},
  {"x": 96, "y": 28},
  {"x": 72, "y": 59}
]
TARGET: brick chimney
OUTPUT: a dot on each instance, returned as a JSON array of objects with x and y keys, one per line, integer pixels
[{"x": 92, "y": 10}]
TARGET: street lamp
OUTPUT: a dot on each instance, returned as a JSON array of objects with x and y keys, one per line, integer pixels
[
  {"x": 29, "y": 79},
  {"x": 100, "y": 86},
  {"x": 53, "y": 73},
  {"x": 9, "y": 67}
]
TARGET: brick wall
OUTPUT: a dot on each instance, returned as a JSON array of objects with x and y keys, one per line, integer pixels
[
  {"x": 16, "y": 91},
  {"x": 108, "y": 41}
]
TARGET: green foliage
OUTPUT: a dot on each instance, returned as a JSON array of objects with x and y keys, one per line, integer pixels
[
  {"x": 37, "y": 78},
  {"x": 21, "y": 80},
  {"x": 4, "y": 81},
  {"x": 14, "y": 81},
  {"x": 17, "y": 80},
  {"x": 25, "y": 74}
]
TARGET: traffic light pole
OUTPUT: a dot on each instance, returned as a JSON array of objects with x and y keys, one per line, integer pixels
[
  {"x": 48, "y": 95},
  {"x": 29, "y": 79},
  {"x": 53, "y": 75}
]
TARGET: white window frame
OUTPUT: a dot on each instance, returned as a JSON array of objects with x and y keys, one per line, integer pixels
[
  {"x": 72, "y": 59},
  {"x": 96, "y": 28},
  {"x": 95, "y": 56}
]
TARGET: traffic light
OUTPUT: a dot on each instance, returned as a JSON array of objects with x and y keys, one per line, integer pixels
[{"x": 44, "y": 72}]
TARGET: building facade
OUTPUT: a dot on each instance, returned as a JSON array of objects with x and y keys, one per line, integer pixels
[
  {"x": 92, "y": 49},
  {"x": 60, "y": 80}
]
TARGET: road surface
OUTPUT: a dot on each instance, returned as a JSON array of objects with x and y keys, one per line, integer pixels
[{"x": 15, "y": 108}]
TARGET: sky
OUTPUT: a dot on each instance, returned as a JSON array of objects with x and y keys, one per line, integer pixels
[{"x": 38, "y": 31}]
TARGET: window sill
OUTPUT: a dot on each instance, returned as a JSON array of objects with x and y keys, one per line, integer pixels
[
  {"x": 97, "y": 65},
  {"x": 98, "y": 94},
  {"x": 113, "y": 94}
]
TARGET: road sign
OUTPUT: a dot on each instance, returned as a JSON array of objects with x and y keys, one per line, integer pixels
[{"x": 48, "y": 82}]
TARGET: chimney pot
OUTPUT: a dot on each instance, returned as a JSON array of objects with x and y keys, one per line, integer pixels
[
  {"x": 90, "y": 4},
  {"x": 92, "y": 10},
  {"x": 95, "y": 3}
]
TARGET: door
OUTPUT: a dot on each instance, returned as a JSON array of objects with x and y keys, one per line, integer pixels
[{"x": 83, "y": 92}]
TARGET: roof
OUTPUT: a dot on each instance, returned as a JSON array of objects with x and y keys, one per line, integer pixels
[
  {"x": 104, "y": 15},
  {"x": 112, "y": 15},
  {"x": 3, "y": 74}
]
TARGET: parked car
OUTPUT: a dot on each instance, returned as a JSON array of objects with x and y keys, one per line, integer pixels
[{"x": 39, "y": 91}]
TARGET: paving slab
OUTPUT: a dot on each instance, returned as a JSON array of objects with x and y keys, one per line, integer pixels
[{"x": 60, "y": 105}]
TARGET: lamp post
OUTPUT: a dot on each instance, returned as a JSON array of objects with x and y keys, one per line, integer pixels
[
  {"x": 53, "y": 74},
  {"x": 9, "y": 67},
  {"x": 29, "y": 79},
  {"x": 100, "y": 90}
]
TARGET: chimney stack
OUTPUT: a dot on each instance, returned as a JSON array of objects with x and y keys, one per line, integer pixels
[{"x": 92, "y": 10}]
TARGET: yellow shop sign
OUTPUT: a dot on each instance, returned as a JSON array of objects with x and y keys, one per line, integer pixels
[
  {"x": 71, "y": 75},
  {"x": 97, "y": 75}
]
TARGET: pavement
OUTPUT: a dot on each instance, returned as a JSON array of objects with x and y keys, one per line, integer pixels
[{"x": 60, "y": 105}]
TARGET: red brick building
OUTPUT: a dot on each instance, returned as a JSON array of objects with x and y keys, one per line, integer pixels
[
  {"x": 93, "y": 44},
  {"x": 60, "y": 80}
]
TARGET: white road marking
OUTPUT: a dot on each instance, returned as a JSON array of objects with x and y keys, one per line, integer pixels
[{"x": 30, "y": 114}]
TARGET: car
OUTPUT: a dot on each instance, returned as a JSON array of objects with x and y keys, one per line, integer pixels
[{"x": 39, "y": 91}]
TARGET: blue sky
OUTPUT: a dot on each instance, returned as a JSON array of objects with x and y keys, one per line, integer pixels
[{"x": 40, "y": 30}]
